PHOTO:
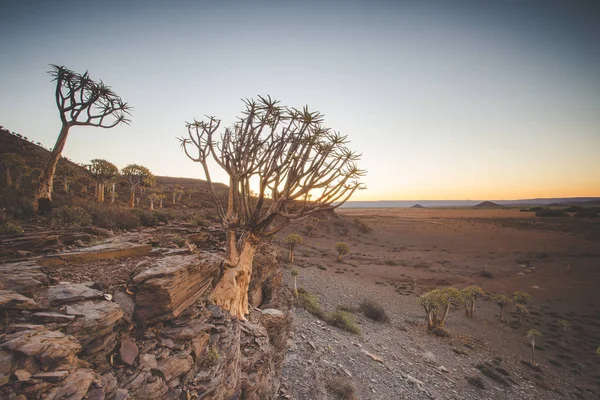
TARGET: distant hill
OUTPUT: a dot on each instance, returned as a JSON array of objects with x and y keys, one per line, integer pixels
[
  {"x": 417, "y": 206},
  {"x": 487, "y": 204}
]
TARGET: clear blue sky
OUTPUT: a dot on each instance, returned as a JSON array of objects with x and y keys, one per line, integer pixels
[{"x": 445, "y": 99}]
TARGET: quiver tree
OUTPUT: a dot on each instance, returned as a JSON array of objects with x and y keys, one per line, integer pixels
[
  {"x": 295, "y": 275},
  {"x": 81, "y": 102},
  {"x": 102, "y": 171},
  {"x": 469, "y": 295},
  {"x": 523, "y": 298},
  {"x": 436, "y": 304},
  {"x": 177, "y": 192},
  {"x": 342, "y": 249},
  {"x": 13, "y": 163},
  {"x": 502, "y": 301},
  {"x": 564, "y": 325},
  {"x": 531, "y": 335},
  {"x": 290, "y": 242},
  {"x": 66, "y": 171},
  {"x": 135, "y": 175},
  {"x": 521, "y": 310},
  {"x": 287, "y": 154}
]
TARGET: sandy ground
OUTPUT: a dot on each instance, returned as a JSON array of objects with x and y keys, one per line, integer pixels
[{"x": 556, "y": 260}]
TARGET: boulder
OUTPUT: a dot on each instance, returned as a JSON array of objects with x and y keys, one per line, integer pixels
[
  {"x": 128, "y": 351},
  {"x": 22, "y": 277},
  {"x": 175, "y": 366},
  {"x": 94, "y": 327},
  {"x": 16, "y": 301},
  {"x": 172, "y": 285},
  {"x": 71, "y": 292},
  {"x": 74, "y": 387}
]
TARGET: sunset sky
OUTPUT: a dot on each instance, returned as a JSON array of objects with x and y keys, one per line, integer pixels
[{"x": 445, "y": 99}]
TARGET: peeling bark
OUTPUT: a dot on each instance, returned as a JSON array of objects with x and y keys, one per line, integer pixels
[{"x": 44, "y": 190}]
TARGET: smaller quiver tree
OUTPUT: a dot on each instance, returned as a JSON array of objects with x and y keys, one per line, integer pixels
[
  {"x": 67, "y": 172},
  {"x": 447, "y": 297},
  {"x": 135, "y": 175},
  {"x": 521, "y": 310},
  {"x": 502, "y": 301},
  {"x": 469, "y": 295},
  {"x": 430, "y": 304},
  {"x": 564, "y": 325},
  {"x": 531, "y": 335},
  {"x": 342, "y": 249},
  {"x": 291, "y": 242},
  {"x": 13, "y": 163},
  {"x": 102, "y": 171},
  {"x": 295, "y": 275}
]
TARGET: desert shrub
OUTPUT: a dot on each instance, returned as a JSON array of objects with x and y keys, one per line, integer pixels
[
  {"x": 476, "y": 381},
  {"x": 16, "y": 206},
  {"x": 162, "y": 216},
  {"x": 343, "y": 320},
  {"x": 341, "y": 387},
  {"x": 548, "y": 212},
  {"x": 521, "y": 297},
  {"x": 485, "y": 272},
  {"x": 374, "y": 311},
  {"x": 490, "y": 372},
  {"x": 178, "y": 240},
  {"x": 587, "y": 213},
  {"x": 310, "y": 303},
  {"x": 342, "y": 249},
  {"x": 147, "y": 218},
  {"x": 10, "y": 228},
  {"x": 322, "y": 268},
  {"x": 71, "y": 216},
  {"x": 112, "y": 217},
  {"x": 390, "y": 262},
  {"x": 362, "y": 225},
  {"x": 197, "y": 220}
]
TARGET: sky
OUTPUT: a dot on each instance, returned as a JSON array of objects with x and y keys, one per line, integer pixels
[{"x": 444, "y": 99}]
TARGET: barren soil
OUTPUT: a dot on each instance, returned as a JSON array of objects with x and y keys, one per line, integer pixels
[{"x": 556, "y": 260}]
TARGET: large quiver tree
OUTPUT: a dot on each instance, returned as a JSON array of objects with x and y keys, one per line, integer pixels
[
  {"x": 80, "y": 102},
  {"x": 289, "y": 157}
]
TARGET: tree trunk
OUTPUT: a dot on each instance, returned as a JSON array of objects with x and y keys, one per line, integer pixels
[
  {"x": 161, "y": 206},
  {"x": 99, "y": 192},
  {"x": 151, "y": 203},
  {"x": 8, "y": 178},
  {"x": 189, "y": 196},
  {"x": 467, "y": 308},
  {"x": 295, "y": 287},
  {"x": 231, "y": 292},
  {"x": 291, "y": 256},
  {"x": 472, "y": 307},
  {"x": 501, "y": 313},
  {"x": 533, "y": 350},
  {"x": 132, "y": 198},
  {"x": 174, "y": 194},
  {"x": 443, "y": 321},
  {"x": 112, "y": 194},
  {"x": 44, "y": 190},
  {"x": 18, "y": 179},
  {"x": 66, "y": 184}
]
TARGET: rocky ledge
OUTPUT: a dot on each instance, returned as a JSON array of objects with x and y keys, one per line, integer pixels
[{"x": 155, "y": 338}]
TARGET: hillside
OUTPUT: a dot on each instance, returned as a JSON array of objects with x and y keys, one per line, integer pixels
[{"x": 487, "y": 204}]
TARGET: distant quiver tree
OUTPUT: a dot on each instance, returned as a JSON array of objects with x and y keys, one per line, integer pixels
[
  {"x": 81, "y": 102},
  {"x": 288, "y": 155}
]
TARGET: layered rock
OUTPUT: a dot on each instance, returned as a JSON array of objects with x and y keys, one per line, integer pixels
[
  {"x": 172, "y": 285},
  {"x": 23, "y": 277}
]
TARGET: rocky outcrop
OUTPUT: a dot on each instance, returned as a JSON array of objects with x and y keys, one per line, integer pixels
[
  {"x": 23, "y": 277},
  {"x": 95, "y": 253},
  {"x": 172, "y": 285},
  {"x": 177, "y": 345},
  {"x": 265, "y": 286}
]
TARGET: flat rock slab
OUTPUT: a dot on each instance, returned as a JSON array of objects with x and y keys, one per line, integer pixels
[
  {"x": 15, "y": 301},
  {"x": 23, "y": 277},
  {"x": 95, "y": 253},
  {"x": 49, "y": 317},
  {"x": 128, "y": 351},
  {"x": 71, "y": 292},
  {"x": 54, "y": 376},
  {"x": 172, "y": 285},
  {"x": 51, "y": 348}
]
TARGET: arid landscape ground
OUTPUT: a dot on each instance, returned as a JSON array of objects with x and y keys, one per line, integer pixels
[{"x": 410, "y": 251}]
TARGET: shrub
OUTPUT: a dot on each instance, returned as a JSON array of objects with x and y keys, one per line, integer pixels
[
  {"x": 548, "y": 212},
  {"x": 342, "y": 387},
  {"x": 521, "y": 297},
  {"x": 343, "y": 320},
  {"x": 342, "y": 248},
  {"x": 10, "y": 228},
  {"x": 112, "y": 217},
  {"x": 476, "y": 381},
  {"x": 362, "y": 226},
  {"x": 488, "y": 371},
  {"x": 374, "y": 311},
  {"x": 197, "y": 220},
  {"x": 310, "y": 303},
  {"x": 71, "y": 216},
  {"x": 147, "y": 218}
]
